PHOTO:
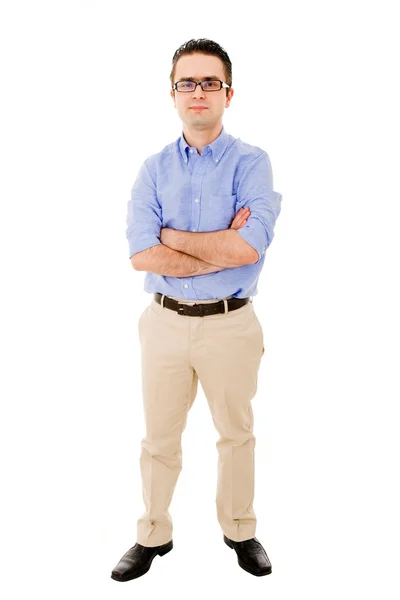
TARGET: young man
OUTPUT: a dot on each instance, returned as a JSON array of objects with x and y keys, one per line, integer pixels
[{"x": 201, "y": 216}]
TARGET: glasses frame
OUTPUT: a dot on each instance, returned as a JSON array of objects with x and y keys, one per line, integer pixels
[{"x": 222, "y": 85}]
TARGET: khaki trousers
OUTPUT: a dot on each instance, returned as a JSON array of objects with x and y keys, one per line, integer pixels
[{"x": 224, "y": 351}]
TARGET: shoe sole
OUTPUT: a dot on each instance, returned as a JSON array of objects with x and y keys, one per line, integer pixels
[
  {"x": 161, "y": 552},
  {"x": 243, "y": 565}
]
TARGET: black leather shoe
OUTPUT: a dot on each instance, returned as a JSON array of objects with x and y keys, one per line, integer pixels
[
  {"x": 251, "y": 556},
  {"x": 137, "y": 561}
]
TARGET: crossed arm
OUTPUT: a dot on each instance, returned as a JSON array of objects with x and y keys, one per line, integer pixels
[
  {"x": 187, "y": 253},
  {"x": 224, "y": 248}
]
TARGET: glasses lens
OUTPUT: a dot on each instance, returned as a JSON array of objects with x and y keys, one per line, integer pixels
[
  {"x": 211, "y": 86},
  {"x": 185, "y": 86}
]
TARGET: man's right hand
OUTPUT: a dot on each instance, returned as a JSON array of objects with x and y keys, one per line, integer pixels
[{"x": 241, "y": 218}]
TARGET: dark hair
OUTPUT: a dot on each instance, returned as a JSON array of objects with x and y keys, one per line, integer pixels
[{"x": 203, "y": 46}]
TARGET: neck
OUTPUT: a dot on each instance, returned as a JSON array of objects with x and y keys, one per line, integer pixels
[{"x": 200, "y": 138}]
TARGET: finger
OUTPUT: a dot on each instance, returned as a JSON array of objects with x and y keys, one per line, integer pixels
[{"x": 242, "y": 213}]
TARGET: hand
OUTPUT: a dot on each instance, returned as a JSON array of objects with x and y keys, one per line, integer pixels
[
  {"x": 166, "y": 236},
  {"x": 240, "y": 218}
]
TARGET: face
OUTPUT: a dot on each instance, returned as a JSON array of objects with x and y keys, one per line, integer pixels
[{"x": 198, "y": 66}]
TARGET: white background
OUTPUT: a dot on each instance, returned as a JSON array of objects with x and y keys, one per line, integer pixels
[{"x": 316, "y": 86}]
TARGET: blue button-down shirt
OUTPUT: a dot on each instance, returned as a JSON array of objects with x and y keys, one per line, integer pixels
[{"x": 181, "y": 189}]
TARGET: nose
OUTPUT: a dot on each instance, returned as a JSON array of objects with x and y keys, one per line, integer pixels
[{"x": 198, "y": 92}]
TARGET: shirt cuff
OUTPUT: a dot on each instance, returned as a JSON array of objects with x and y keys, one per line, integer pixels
[{"x": 249, "y": 236}]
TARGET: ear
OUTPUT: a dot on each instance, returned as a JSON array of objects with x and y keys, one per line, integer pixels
[
  {"x": 229, "y": 97},
  {"x": 172, "y": 92}
]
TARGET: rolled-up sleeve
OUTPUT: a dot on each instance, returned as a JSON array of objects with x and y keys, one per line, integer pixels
[
  {"x": 144, "y": 216},
  {"x": 255, "y": 190}
]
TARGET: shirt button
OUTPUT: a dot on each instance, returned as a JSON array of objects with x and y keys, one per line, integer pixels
[
  {"x": 186, "y": 285},
  {"x": 193, "y": 230},
  {"x": 191, "y": 150},
  {"x": 216, "y": 160},
  {"x": 196, "y": 199}
]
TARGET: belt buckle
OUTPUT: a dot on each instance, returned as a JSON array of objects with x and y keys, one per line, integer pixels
[{"x": 200, "y": 307}]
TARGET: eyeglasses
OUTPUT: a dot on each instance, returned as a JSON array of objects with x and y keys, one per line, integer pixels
[{"x": 213, "y": 85}]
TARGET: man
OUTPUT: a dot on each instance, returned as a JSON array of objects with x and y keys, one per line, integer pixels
[{"x": 200, "y": 218}]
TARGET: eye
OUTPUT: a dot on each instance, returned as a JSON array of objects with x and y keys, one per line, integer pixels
[
  {"x": 211, "y": 85},
  {"x": 188, "y": 85}
]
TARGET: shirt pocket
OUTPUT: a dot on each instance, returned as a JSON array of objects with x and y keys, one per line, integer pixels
[{"x": 222, "y": 210}]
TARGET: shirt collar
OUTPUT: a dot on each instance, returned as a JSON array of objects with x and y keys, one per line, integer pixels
[{"x": 217, "y": 147}]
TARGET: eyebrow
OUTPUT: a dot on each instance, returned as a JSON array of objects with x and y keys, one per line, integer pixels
[{"x": 193, "y": 79}]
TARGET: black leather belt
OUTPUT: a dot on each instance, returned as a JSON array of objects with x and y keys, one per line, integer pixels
[{"x": 201, "y": 310}]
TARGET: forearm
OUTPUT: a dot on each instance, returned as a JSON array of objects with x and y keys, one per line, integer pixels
[
  {"x": 224, "y": 248},
  {"x": 165, "y": 261}
]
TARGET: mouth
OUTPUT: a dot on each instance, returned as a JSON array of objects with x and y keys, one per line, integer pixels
[{"x": 198, "y": 108}]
